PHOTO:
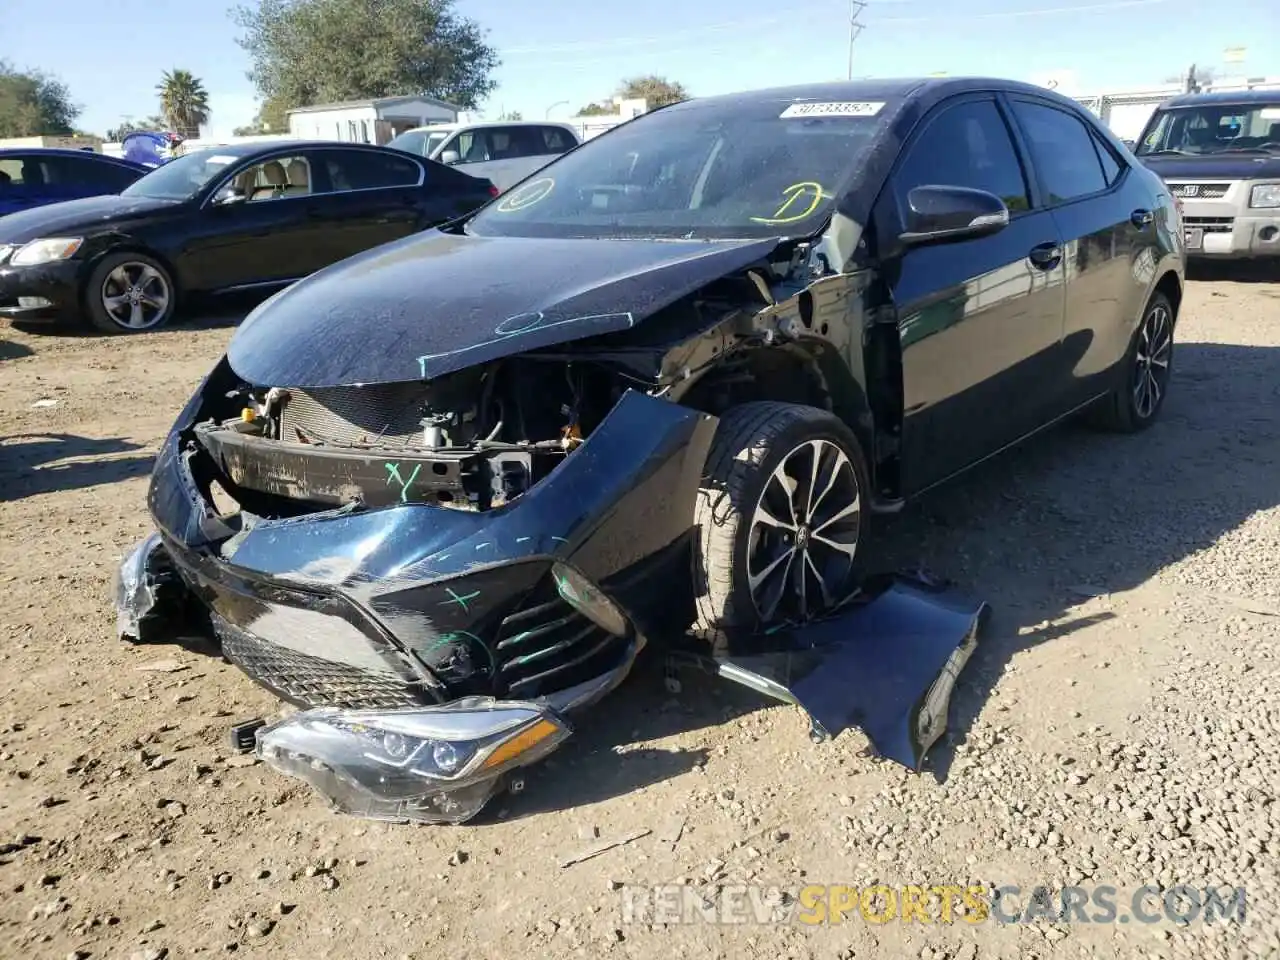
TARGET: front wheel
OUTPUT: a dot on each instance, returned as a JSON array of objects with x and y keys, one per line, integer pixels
[
  {"x": 129, "y": 293},
  {"x": 780, "y": 518},
  {"x": 1137, "y": 401}
]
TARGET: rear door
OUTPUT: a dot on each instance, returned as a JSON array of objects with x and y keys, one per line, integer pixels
[
  {"x": 1104, "y": 213},
  {"x": 980, "y": 320},
  {"x": 364, "y": 198}
]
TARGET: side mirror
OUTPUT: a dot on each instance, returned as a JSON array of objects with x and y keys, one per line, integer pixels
[
  {"x": 937, "y": 214},
  {"x": 451, "y": 157}
]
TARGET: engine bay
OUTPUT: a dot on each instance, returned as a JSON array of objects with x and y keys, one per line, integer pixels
[{"x": 473, "y": 440}]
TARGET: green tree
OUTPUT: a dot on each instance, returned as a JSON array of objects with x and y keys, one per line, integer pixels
[
  {"x": 596, "y": 110},
  {"x": 34, "y": 104},
  {"x": 184, "y": 102},
  {"x": 272, "y": 117},
  {"x": 658, "y": 91},
  {"x": 306, "y": 52}
]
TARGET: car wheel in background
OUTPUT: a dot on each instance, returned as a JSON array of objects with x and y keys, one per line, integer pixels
[
  {"x": 781, "y": 518},
  {"x": 1137, "y": 402},
  {"x": 129, "y": 293}
]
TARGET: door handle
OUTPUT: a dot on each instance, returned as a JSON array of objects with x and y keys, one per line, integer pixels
[
  {"x": 1045, "y": 256},
  {"x": 1141, "y": 218}
]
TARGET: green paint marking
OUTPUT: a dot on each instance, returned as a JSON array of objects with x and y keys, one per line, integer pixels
[
  {"x": 393, "y": 474},
  {"x": 460, "y": 601}
]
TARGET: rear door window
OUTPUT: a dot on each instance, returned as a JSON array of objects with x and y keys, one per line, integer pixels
[
  {"x": 77, "y": 172},
  {"x": 369, "y": 170},
  {"x": 966, "y": 145},
  {"x": 1062, "y": 150},
  {"x": 556, "y": 139}
]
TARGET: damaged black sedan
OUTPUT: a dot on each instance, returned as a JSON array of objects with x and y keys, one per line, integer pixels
[{"x": 441, "y": 494}]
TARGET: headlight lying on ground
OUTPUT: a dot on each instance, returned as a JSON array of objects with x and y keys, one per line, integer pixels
[
  {"x": 45, "y": 251},
  {"x": 1265, "y": 195},
  {"x": 427, "y": 764}
]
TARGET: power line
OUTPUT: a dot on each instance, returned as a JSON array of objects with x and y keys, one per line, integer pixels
[{"x": 855, "y": 10}]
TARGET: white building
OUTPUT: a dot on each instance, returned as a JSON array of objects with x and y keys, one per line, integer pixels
[
  {"x": 591, "y": 126},
  {"x": 369, "y": 121}
]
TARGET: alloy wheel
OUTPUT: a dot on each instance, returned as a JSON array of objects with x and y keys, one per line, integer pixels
[
  {"x": 1155, "y": 350},
  {"x": 804, "y": 534},
  {"x": 136, "y": 295}
]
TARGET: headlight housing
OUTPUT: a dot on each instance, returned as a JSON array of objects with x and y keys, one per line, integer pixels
[
  {"x": 1265, "y": 195},
  {"x": 426, "y": 764},
  {"x": 46, "y": 250}
]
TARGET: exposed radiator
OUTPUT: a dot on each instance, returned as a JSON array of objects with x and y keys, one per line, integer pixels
[{"x": 389, "y": 415}]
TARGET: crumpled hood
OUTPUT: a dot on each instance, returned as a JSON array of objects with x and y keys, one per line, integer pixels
[
  {"x": 66, "y": 218},
  {"x": 437, "y": 302},
  {"x": 1226, "y": 166}
]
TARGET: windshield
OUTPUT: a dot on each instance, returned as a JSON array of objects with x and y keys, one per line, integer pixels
[
  {"x": 181, "y": 178},
  {"x": 1213, "y": 128},
  {"x": 700, "y": 170},
  {"x": 420, "y": 142}
]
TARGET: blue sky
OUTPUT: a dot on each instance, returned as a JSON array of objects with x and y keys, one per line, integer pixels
[{"x": 111, "y": 53}]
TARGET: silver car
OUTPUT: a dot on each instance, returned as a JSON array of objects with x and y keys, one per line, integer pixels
[
  {"x": 502, "y": 152},
  {"x": 1219, "y": 153}
]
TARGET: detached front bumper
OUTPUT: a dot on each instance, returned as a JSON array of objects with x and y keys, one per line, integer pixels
[{"x": 44, "y": 292}]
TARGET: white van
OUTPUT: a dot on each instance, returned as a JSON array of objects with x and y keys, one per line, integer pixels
[{"x": 502, "y": 152}]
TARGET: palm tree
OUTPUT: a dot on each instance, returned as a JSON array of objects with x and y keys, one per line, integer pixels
[{"x": 184, "y": 102}]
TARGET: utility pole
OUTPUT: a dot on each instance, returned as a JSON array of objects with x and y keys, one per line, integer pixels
[{"x": 855, "y": 10}]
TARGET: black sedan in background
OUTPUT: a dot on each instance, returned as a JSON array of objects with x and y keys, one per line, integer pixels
[{"x": 216, "y": 221}]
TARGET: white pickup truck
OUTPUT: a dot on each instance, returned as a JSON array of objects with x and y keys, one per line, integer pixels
[{"x": 502, "y": 152}]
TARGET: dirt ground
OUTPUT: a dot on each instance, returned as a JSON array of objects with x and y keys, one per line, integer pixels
[{"x": 1118, "y": 726}]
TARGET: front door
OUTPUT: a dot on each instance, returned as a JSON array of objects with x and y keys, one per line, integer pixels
[
  {"x": 980, "y": 320},
  {"x": 258, "y": 228}
]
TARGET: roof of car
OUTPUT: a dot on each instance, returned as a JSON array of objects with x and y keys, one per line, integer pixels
[
  {"x": 255, "y": 147},
  {"x": 1224, "y": 97},
  {"x": 70, "y": 152},
  {"x": 891, "y": 88}
]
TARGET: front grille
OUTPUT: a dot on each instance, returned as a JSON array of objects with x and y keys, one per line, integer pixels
[
  {"x": 308, "y": 681},
  {"x": 1199, "y": 191},
  {"x": 389, "y": 415},
  {"x": 548, "y": 645},
  {"x": 1210, "y": 224}
]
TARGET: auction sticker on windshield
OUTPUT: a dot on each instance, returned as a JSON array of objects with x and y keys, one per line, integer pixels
[{"x": 858, "y": 109}]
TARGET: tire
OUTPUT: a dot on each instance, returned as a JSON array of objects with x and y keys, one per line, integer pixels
[
  {"x": 143, "y": 292},
  {"x": 1128, "y": 408},
  {"x": 753, "y": 441}
]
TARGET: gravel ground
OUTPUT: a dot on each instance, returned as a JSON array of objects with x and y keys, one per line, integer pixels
[{"x": 1118, "y": 726}]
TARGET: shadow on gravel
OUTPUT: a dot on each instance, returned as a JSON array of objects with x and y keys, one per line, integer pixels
[
  {"x": 1075, "y": 513},
  {"x": 32, "y": 464},
  {"x": 9, "y": 350}
]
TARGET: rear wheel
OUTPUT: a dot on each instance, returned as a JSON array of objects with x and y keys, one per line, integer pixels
[
  {"x": 129, "y": 293},
  {"x": 1137, "y": 401},
  {"x": 780, "y": 517}
]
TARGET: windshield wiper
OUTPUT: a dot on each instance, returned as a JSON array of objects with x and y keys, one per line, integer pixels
[{"x": 1174, "y": 150}]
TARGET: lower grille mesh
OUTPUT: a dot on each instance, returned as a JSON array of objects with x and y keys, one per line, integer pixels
[{"x": 308, "y": 681}]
